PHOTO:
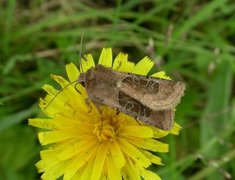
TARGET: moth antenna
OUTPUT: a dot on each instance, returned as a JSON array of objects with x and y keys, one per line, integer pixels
[
  {"x": 76, "y": 86},
  {"x": 60, "y": 92},
  {"x": 76, "y": 81}
]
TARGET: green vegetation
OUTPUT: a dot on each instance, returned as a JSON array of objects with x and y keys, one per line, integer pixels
[{"x": 193, "y": 41}]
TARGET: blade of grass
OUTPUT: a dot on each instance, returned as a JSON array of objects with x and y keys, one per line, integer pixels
[
  {"x": 9, "y": 14},
  {"x": 206, "y": 12},
  {"x": 219, "y": 96},
  {"x": 215, "y": 166},
  {"x": 9, "y": 121}
]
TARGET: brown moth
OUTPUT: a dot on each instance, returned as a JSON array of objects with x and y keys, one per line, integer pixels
[{"x": 148, "y": 99}]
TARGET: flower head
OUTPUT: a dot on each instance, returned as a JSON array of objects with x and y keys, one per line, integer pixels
[{"x": 83, "y": 143}]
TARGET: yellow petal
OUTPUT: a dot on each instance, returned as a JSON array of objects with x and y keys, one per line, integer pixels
[
  {"x": 143, "y": 66},
  {"x": 50, "y": 89},
  {"x": 106, "y": 57},
  {"x": 61, "y": 81},
  {"x": 78, "y": 174},
  {"x": 42, "y": 123},
  {"x": 55, "y": 172},
  {"x": 72, "y": 72},
  {"x": 153, "y": 145},
  {"x": 79, "y": 161},
  {"x": 50, "y": 156},
  {"x": 176, "y": 129},
  {"x": 130, "y": 172},
  {"x": 162, "y": 75},
  {"x": 122, "y": 64},
  {"x": 86, "y": 172},
  {"x": 134, "y": 153},
  {"x": 76, "y": 148},
  {"x": 154, "y": 159},
  {"x": 45, "y": 164},
  {"x": 119, "y": 60},
  {"x": 158, "y": 133},
  {"x": 66, "y": 91},
  {"x": 137, "y": 131},
  {"x": 113, "y": 171},
  {"x": 103, "y": 177},
  {"x": 41, "y": 166},
  {"x": 99, "y": 162},
  {"x": 73, "y": 168},
  {"x": 68, "y": 97},
  {"x": 87, "y": 62},
  {"x": 117, "y": 154},
  {"x": 146, "y": 174},
  {"x": 54, "y": 136},
  {"x": 63, "y": 122},
  {"x": 51, "y": 107},
  {"x": 49, "y": 159},
  {"x": 51, "y": 102}
]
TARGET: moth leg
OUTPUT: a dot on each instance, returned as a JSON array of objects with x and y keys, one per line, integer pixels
[
  {"x": 117, "y": 111},
  {"x": 98, "y": 107},
  {"x": 138, "y": 121},
  {"x": 87, "y": 101},
  {"x": 96, "y": 104}
]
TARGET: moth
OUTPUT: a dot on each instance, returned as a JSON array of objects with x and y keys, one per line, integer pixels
[{"x": 148, "y": 99}]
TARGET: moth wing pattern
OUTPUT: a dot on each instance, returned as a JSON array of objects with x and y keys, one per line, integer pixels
[
  {"x": 160, "y": 119},
  {"x": 132, "y": 106},
  {"x": 155, "y": 93}
]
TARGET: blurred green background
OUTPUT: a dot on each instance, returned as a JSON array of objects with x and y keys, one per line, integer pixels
[{"x": 193, "y": 41}]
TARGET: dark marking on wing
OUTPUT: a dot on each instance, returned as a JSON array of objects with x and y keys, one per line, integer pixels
[
  {"x": 146, "y": 84},
  {"x": 131, "y": 105}
]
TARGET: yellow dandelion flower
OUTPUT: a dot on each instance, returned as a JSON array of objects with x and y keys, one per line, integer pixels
[{"x": 83, "y": 144}]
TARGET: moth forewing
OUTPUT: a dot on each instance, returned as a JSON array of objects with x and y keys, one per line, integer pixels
[
  {"x": 157, "y": 94},
  {"x": 160, "y": 119}
]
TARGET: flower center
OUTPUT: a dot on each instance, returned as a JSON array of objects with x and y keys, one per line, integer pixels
[{"x": 107, "y": 128}]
